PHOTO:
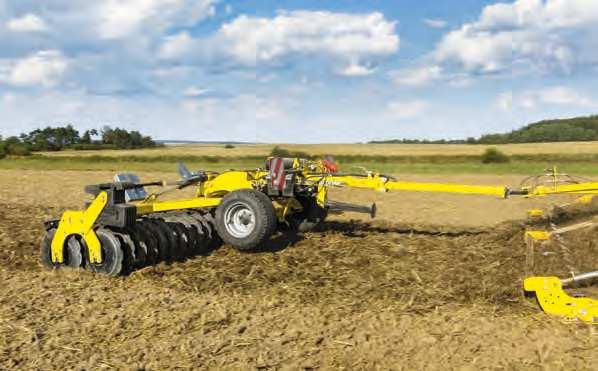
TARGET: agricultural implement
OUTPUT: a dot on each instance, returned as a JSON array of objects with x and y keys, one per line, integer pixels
[{"x": 126, "y": 228}]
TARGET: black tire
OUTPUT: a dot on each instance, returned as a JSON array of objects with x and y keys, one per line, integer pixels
[
  {"x": 112, "y": 254},
  {"x": 259, "y": 219}
]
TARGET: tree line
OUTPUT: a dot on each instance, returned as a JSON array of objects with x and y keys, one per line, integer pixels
[
  {"x": 578, "y": 129},
  {"x": 67, "y": 137}
]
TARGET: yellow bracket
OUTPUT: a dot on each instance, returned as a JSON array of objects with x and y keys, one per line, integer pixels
[
  {"x": 535, "y": 213},
  {"x": 554, "y": 300},
  {"x": 584, "y": 200},
  {"x": 537, "y": 235},
  {"x": 80, "y": 223}
]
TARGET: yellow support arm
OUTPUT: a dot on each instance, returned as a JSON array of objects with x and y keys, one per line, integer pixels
[
  {"x": 80, "y": 223},
  {"x": 447, "y": 188},
  {"x": 581, "y": 188},
  {"x": 383, "y": 184},
  {"x": 554, "y": 300}
]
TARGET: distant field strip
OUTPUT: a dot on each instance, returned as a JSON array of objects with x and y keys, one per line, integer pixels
[
  {"x": 386, "y": 150},
  {"x": 583, "y": 164},
  {"x": 351, "y": 158}
]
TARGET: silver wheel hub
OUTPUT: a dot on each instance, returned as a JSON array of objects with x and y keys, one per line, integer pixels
[{"x": 239, "y": 220}]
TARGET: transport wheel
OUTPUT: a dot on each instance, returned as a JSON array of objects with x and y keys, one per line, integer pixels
[
  {"x": 112, "y": 254},
  {"x": 73, "y": 256},
  {"x": 245, "y": 219}
]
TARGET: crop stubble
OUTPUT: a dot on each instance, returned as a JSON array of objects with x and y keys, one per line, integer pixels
[{"x": 353, "y": 294}]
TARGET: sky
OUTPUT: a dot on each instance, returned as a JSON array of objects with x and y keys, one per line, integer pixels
[{"x": 296, "y": 71}]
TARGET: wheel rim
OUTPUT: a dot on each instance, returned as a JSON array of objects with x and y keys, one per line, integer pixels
[{"x": 239, "y": 220}]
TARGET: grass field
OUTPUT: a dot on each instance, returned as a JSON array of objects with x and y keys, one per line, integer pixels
[{"x": 261, "y": 150}]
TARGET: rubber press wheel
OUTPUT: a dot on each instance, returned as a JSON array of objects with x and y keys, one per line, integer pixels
[
  {"x": 72, "y": 252},
  {"x": 112, "y": 254},
  {"x": 46, "y": 250},
  {"x": 245, "y": 219}
]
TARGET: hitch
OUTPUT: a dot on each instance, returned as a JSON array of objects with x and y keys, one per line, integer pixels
[{"x": 336, "y": 206}]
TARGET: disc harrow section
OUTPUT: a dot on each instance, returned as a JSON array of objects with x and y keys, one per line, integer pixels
[{"x": 161, "y": 237}]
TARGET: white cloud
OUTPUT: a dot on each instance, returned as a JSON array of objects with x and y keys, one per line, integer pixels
[
  {"x": 94, "y": 22},
  {"x": 43, "y": 68},
  {"x": 526, "y": 34},
  {"x": 427, "y": 75},
  {"x": 558, "y": 95},
  {"x": 27, "y": 23},
  {"x": 345, "y": 36},
  {"x": 420, "y": 76},
  {"x": 356, "y": 69},
  {"x": 401, "y": 110},
  {"x": 352, "y": 43},
  {"x": 194, "y": 91},
  {"x": 435, "y": 23},
  {"x": 177, "y": 45},
  {"x": 121, "y": 18},
  {"x": 477, "y": 51},
  {"x": 504, "y": 101}
]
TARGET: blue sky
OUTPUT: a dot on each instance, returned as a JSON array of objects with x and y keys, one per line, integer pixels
[{"x": 296, "y": 71}]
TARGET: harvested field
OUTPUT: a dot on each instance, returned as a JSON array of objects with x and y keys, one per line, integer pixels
[
  {"x": 435, "y": 284},
  {"x": 263, "y": 150}
]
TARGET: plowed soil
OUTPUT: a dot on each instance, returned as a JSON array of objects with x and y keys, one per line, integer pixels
[{"x": 443, "y": 292}]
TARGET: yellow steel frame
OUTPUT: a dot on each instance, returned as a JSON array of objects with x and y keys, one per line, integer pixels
[
  {"x": 554, "y": 300},
  {"x": 80, "y": 223},
  {"x": 144, "y": 207}
]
